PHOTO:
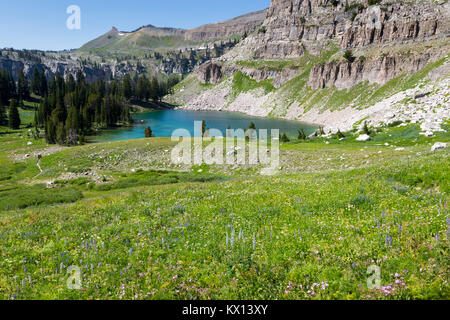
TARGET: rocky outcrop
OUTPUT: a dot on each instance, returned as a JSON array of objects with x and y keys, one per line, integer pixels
[
  {"x": 245, "y": 24},
  {"x": 210, "y": 73},
  {"x": 52, "y": 66},
  {"x": 294, "y": 25},
  {"x": 380, "y": 70}
]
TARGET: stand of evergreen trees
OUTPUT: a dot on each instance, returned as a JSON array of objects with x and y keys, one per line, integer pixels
[
  {"x": 72, "y": 108},
  {"x": 7, "y": 92},
  {"x": 143, "y": 89}
]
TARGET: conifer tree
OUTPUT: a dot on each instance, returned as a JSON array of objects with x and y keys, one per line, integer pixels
[
  {"x": 43, "y": 88},
  {"x": 154, "y": 89},
  {"x": 148, "y": 132},
  {"x": 3, "y": 118},
  {"x": 35, "y": 82},
  {"x": 14, "y": 117},
  {"x": 127, "y": 87},
  {"x": 23, "y": 90},
  {"x": 301, "y": 135}
]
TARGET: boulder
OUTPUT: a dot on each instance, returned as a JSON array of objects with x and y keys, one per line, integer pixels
[
  {"x": 438, "y": 146},
  {"x": 363, "y": 137}
]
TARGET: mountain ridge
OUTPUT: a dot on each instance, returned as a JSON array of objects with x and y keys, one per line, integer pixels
[{"x": 222, "y": 30}]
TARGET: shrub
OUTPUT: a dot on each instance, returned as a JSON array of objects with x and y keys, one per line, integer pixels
[
  {"x": 366, "y": 129},
  {"x": 301, "y": 135},
  {"x": 348, "y": 55},
  {"x": 284, "y": 138},
  {"x": 374, "y": 2}
]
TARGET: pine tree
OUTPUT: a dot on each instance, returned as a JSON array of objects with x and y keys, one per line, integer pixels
[
  {"x": 321, "y": 131},
  {"x": 203, "y": 128},
  {"x": 127, "y": 87},
  {"x": 35, "y": 82},
  {"x": 3, "y": 118},
  {"x": 43, "y": 87},
  {"x": 143, "y": 88},
  {"x": 148, "y": 132},
  {"x": 23, "y": 90},
  {"x": 284, "y": 138},
  {"x": 70, "y": 83},
  {"x": 14, "y": 117},
  {"x": 7, "y": 87},
  {"x": 301, "y": 135},
  {"x": 366, "y": 128},
  {"x": 155, "y": 90}
]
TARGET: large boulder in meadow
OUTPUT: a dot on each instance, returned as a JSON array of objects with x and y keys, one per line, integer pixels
[
  {"x": 363, "y": 137},
  {"x": 438, "y": 146}
]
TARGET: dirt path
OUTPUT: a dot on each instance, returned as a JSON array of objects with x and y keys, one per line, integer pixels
[{"x": 39, "y": 166}]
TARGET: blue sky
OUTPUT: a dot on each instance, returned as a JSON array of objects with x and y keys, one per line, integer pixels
[{"x": 32, "y": 24}]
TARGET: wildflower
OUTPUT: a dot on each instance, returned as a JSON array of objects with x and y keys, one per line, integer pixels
[
  {"x": 232, "y": 237},
  {"x": 388, "y": 240}
]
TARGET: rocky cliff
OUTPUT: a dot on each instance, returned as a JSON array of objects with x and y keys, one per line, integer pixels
[
  {"x": 325, "y": 56},
  {"x": 239, "y": 26},
  {"x": 13, "y": 62}
]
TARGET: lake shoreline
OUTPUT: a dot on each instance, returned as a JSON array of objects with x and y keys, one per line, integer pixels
[
  {"x": 165, "y": 121},
  {"x": 184, "y": 108}
]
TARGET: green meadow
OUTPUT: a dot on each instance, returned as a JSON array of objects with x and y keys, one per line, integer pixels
[{"x": 139, "y": 227}]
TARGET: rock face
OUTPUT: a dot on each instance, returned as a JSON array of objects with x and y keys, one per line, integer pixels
[
  {"x": 293, "y": 25},
  {"x": 210, "y": 73},
  {"x": 345, "y": 74},
  {"x": 245, "y": 24},
  {"x": 336, "y": 62},
  {"x": 51, "y": 66}
]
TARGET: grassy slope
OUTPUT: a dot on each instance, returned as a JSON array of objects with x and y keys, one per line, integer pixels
[{"x": 318, "y": 221}]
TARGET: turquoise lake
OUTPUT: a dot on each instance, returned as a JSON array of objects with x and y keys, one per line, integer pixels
[{"x": 164, "y": 122}]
